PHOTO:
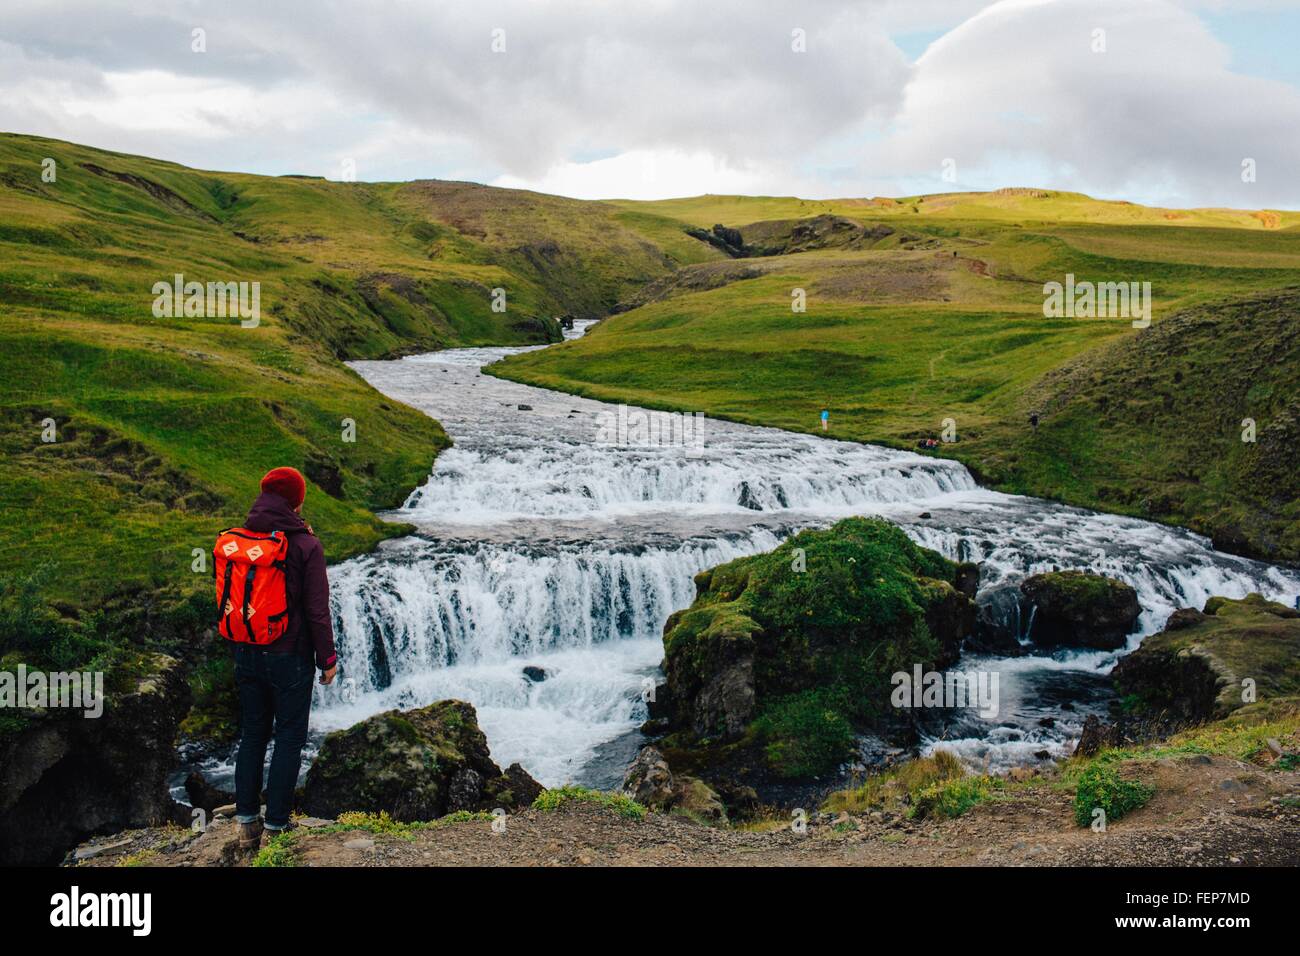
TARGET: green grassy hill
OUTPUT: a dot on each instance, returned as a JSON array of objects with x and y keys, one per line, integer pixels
[
  {"x": 919, "y": 309},
  {"x": 162, "y": 427},
  {"x": 926, "y": 309}
]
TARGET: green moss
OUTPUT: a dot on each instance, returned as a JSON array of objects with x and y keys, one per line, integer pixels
[
  {"x": 826, "y": 618},
  {"x": 1075, "y": 590},
  {"x": 557, "y": 797},
  {"x": 214, "y": 714},
  {"x": 807, "y": 733},
  {"x": 383, "y": 823},
  {"x": 278, "y": 851}
]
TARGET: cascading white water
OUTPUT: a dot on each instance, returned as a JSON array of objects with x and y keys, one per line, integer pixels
[
  {"x": 420, "y": 623},
  {"x": 544, "y": 545}
]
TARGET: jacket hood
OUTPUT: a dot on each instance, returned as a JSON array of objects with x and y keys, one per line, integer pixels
[{"x": 271, "y": 512}]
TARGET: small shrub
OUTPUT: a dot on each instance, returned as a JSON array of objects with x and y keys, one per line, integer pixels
[
  {"x": 898, "y": 784},
  {"x": 952, "y": 798},
  {"x": 557, "y": 797},
  {"x": 278, "y": 851},
  {"x": 1100, "y": 785}
]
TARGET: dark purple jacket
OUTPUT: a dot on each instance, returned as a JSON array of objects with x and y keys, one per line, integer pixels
[{"x": 311, "y": 629}]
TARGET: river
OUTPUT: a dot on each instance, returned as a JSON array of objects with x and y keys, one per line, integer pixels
[{"x": 546, "y": 542}]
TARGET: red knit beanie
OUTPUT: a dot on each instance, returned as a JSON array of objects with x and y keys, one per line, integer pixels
[{"x": 288, "y": 483}]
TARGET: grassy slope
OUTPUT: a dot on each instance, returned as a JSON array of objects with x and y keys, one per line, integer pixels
[
  {"x": 165, "y": 425},
  {"x": 944, "y": 320}
]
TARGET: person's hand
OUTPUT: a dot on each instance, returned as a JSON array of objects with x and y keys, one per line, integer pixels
[{"x": 327, "y": 677}]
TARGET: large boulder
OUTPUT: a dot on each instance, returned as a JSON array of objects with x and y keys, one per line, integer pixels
[
  {"x": 1096, "y": 737},
  {"x": 1205, "y": 664},
  {"x": 66, "y": 776},
  {"x": 648, "y": 779},
  {"x": 650, "y": 782},
  {"x": 1080, "y": 609},
  {"x": 416, "y": 765},
  {"x": 809, "y": 635}
]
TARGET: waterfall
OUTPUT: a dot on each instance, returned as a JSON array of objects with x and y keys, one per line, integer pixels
[{"x": 542, "y": 546}]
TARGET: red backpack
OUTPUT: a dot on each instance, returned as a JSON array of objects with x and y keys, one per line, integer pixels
[{"x": 252, "y": 598}]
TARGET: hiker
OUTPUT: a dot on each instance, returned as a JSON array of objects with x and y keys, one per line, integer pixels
[
  {"x": 274, "y": 607},
  {"x": 1033, "y": 420}
]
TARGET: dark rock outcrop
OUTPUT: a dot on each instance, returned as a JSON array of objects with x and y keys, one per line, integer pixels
[
  {"x": 1080, "y": 609},
  {"x": 1096, "y": 737},
  {"x": 65, "y": 777},
  {"x": 539, "y": 329},
  {"x": 416, "y": 765},
  {"x": 204, "y": 795},
  {"x": 1205, "y": 664},
  {"x": 650, "y": 782}
]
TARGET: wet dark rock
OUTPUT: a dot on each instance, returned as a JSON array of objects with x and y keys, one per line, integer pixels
[
  {"x": 1080, "y": 609},
  {"x": 64, "y": 777},
  {"x": 656, "y": 727},
  {"x": 1096, "y": 737},
  {"x": 659, "y": 702},
  {"x": 204, "y": 795},
  {"x": 1197, "y": 667},
  {"x": 968, "y": 578},
  {"x": 535, "y": 674}
]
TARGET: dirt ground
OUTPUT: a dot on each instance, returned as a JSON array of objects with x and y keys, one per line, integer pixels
[{"x": 1206, "y": 811}]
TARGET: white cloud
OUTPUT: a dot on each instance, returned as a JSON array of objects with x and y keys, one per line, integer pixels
[
  {"x": 646, "y": 174},
  {"x": 712, "y": 94},
  {"x": 1156, "y": 116}
]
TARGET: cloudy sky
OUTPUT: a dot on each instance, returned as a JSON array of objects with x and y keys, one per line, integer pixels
[{"x": 1156, "y": 101}]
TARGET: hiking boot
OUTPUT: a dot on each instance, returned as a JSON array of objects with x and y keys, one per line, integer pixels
[{"x": 250, "y": 836}]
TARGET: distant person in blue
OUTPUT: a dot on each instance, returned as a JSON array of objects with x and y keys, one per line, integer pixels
[{"x": 826, "y": 423}]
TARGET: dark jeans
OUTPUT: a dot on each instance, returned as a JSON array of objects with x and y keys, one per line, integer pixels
[{"x": 274, "y": 701}]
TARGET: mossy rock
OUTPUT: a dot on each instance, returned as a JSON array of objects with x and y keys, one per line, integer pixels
[
  {"x": 415, "y": 765},
  {"x": 1198, "y": 667},
  {"x": 831, "y": 614},
  {"x": 1080, "y": 609}
]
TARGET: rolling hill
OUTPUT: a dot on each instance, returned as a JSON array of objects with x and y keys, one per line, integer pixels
[
  {"x": 129, "y": 434},
  {"x": 926, "y": 312}
]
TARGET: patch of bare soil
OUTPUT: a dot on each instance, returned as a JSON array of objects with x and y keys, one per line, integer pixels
[
  {"x": 1206, "y": 811},
  {"x": 887, "y": 278}
]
